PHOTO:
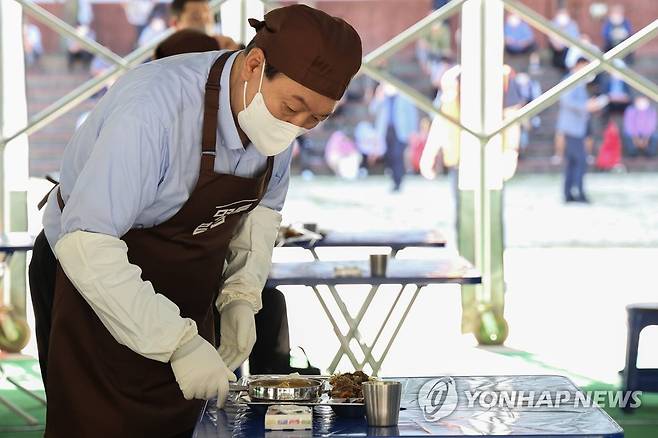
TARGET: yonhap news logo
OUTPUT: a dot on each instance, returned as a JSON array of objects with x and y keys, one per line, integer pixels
[{"x": 438, "y": 399}]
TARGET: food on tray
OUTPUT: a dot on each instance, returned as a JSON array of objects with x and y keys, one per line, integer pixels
[
  {"x": 348, "y": 385},
  {"x": 285, "y": 383},
  {"x": 289, "y": 232}
]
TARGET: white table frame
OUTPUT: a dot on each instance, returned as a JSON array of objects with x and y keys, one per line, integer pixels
[{"x": 354, "y": 323}]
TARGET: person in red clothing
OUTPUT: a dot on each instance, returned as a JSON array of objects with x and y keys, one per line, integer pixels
[{"x": 417, "y": 144}]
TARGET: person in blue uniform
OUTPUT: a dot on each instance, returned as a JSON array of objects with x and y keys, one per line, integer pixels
[{"x": 168, "y": 205}]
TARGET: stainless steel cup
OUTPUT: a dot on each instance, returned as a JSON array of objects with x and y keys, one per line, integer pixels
[
  {"x": 378, "y": 263},
  {"x": 382, "y": 400}
]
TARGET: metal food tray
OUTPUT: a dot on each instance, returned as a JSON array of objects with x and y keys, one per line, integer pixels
[{"x": 242, "y": 397}]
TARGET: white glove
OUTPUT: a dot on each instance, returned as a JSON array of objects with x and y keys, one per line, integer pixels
[
  {"x": 135, "y": 315},
  {"x": 238, "y": 333},
  {"x": 200, "y": 372},
  {"x": 249, "y": 258}
]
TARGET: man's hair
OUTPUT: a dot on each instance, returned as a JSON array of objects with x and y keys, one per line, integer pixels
[
  {"x": 270, "y": 71},
  {"x": 185, "y": 41},
  {"x": 177, "y": 6}
]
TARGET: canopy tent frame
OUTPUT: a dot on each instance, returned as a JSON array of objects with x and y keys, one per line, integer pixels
[{"x": 609, "y": 61}]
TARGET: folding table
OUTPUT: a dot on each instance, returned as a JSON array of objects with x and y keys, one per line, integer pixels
[
  {"x": 429, "y": 408},
  {"x": 396, "y": 240},
  {"x": 440, "y": 269}
]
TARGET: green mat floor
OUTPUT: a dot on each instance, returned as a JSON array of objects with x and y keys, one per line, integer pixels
[{"x": 24, "y": 371}]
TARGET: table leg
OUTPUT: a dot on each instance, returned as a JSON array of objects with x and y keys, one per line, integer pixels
[
  {"x": 27, "y": 391},
  {"x": 397, "y": 330},
  {"x": 18, "y": 411},
  {"x": 368, "y": 353},
  {"x": 353, "y": 323},
  {"x": 345, "y": 346},
  {"x": 31, "y": 421}
]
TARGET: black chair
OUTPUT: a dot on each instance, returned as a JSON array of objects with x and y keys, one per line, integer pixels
[{"x": 634, "y": 379}]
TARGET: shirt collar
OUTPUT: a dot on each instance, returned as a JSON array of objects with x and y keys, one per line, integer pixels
[{"x": 227, "y": 132}]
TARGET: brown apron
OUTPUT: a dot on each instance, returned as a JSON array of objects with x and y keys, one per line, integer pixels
[{"x": 99, "y": 388}]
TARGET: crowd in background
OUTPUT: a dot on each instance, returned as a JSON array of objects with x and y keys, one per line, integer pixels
[
  {"x": 390, "y": 132},
  {"x": 400, "y": 137}
]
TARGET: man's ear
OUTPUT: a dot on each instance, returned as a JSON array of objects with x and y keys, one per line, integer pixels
[
  {"x": 252, "y": 63},
  {"x": 173, "y": 21}
]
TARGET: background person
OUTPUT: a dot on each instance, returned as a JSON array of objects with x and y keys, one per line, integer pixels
[
  {"x": 639, "y": 132},
  {"x": 396, "y": 119},
  {"x": 573, "y": 118}
]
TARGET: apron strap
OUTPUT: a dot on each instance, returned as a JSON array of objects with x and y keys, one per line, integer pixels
[
  {"x": 210, "y": 113},
  {"x": 60, "y": 200},
  {"x": 268, "y": 174},
  {"x": 44, "y": 200}
]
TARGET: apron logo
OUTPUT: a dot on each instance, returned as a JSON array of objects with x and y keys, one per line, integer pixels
[{"x": 222, "y": 212}]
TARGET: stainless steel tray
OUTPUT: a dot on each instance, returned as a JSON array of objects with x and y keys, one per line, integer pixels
[{"x": 242, "y": 397}]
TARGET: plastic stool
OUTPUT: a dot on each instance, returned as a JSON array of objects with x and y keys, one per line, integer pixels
[{"x": 634, "y": 379}]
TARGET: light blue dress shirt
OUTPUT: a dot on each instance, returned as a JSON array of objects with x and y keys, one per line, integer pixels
[{"x": 135, "y": 160}]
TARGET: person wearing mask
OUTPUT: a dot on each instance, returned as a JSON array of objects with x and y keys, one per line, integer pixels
[
  {"x": 169, "y": 204},
  {"x": 618, "y": 92},
  {"x": 616, "y": 28},
  {"x": 519, "y": 38},
  {"x": 75, "y": 52},
  {"x": 271, "y": 352},
  {"x": 575, "y": 53},
  {"x": 558, "y": 49},
  {"x": 156, "y": 27},
  {"x": 639, "y": 134},
  {"x": 196, "y": 14},
  {"x": 138, "y": 14},
  {"x": 529, "y": 89},
  {"x": 396, "y": 119},
  {"x": 573, "y": 118}
]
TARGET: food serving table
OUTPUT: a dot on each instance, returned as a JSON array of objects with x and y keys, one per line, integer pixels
[
  {"x": 442, "y": 411},
  {"x": 396, "y": 240},
  {"x": 403, "y": 272}
]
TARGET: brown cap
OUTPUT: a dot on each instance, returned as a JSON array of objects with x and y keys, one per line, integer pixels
[
  {"x": 311, "y": 47},
  {"x": 186, "y": 41}
]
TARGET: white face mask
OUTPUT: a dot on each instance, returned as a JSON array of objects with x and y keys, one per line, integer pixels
[
  {"x": 642, "y": 104},
  {"x": 269, "y": 135},
  {"x": 562, "y": 19}
]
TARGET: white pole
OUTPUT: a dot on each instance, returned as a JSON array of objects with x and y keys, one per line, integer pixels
[
  {"x": 234, "y": 15},
  {"x": 480, "y": 169},
  {"x": 13, "y": 156}
]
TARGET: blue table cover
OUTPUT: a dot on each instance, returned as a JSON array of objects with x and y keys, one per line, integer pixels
[{"x": 566, "y": 420}]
